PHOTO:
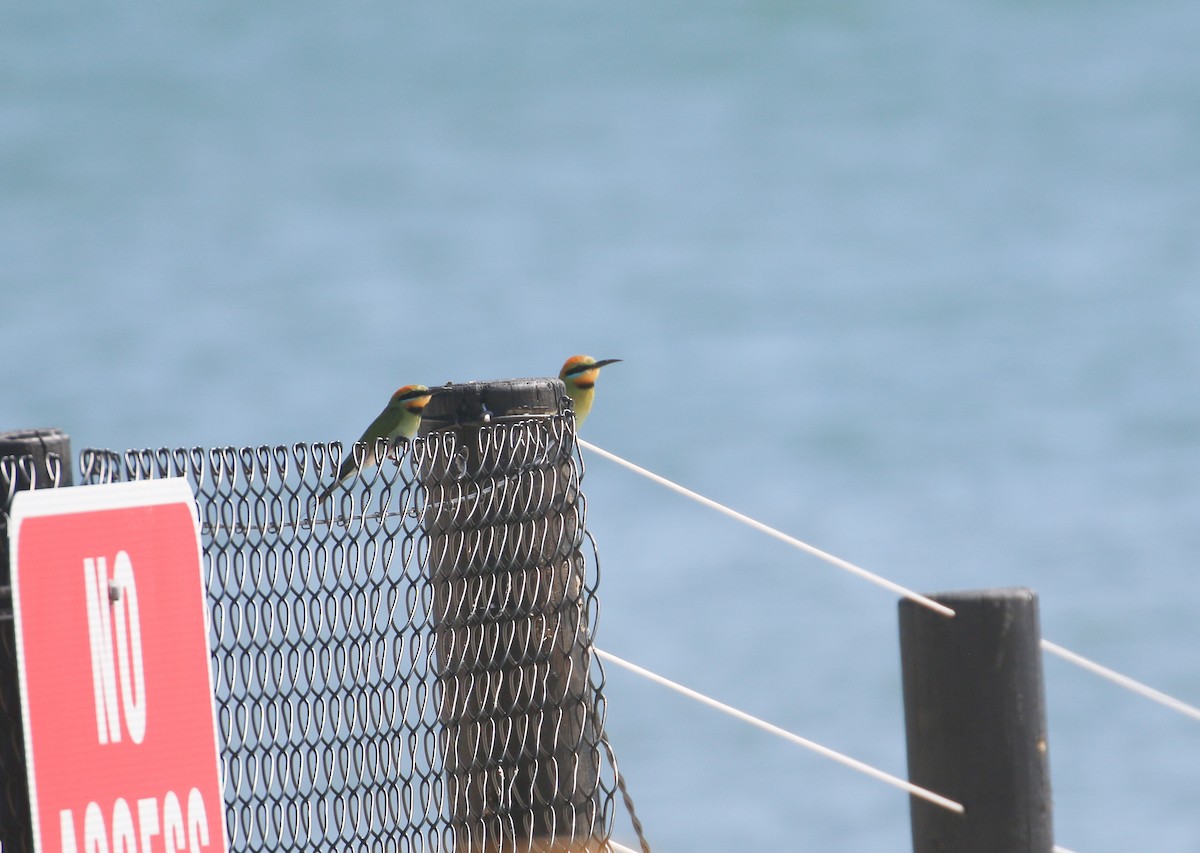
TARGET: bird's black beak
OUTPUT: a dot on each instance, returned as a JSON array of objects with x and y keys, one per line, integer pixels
[{"x": 605, "y": 361}]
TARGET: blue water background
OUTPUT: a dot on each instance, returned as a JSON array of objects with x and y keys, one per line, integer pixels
[{"x": 917, "y": 282}]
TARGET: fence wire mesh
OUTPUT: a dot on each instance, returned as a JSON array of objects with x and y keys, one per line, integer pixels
[{"x": 407, "y": 665}]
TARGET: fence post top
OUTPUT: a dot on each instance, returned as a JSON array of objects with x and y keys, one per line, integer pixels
[
  {"x": 995, "y": 596},
  {"x": 477, "y": 403}
]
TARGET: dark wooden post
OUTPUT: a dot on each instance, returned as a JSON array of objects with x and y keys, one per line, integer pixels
[
  {"x": 975, "y": 714},
  {"x": 502, "y": 517},
  {"x": 29, "y": 459}
]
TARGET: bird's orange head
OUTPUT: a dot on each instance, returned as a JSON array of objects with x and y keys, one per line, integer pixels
[
  {"x": 414, "y": 398},
  {"x": 580, "y": 371}
]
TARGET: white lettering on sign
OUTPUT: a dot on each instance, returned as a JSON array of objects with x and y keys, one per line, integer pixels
[
  {"x": 104, "y": 616},
  {"x": 94, "y": 838},
  {"x": 180, "y": 833},
  {"x": 173, "y": 822},
  {"x": 124, "y": 837}
]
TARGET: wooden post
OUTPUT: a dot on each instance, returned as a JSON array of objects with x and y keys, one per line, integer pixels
[
  {"x": 974, "y": 707},
  {"x": 36, "y": 470},
  {"x": 502, "y": 517}
]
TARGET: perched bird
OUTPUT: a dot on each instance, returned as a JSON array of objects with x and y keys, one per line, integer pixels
[
  {"x": 399, "y": 419},
  {"x": 579, "y": 375}
]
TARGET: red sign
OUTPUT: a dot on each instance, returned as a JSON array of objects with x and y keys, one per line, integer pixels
[{"x": 112, "y": 646}]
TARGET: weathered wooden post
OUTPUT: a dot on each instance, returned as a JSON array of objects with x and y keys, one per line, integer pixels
[
  {"x": 975, "y": 714},
  {"x": 29, "y": 459},
  {"x": 520, "y": 736}
]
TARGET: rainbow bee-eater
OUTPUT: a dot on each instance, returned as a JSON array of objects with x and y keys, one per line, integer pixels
[
  {"x": 579, "y": 375},
  {"x": 400, "y": 418}
]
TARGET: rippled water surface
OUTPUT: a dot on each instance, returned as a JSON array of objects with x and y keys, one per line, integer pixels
[{"x": 917, "y": 282}]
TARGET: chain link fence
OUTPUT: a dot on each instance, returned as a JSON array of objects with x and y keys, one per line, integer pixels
[{"x": 406, "y": 665}]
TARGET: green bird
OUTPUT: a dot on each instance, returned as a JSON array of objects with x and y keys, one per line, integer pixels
[
  {"x": 579, "y": 375},
  {"x": 400, "y": 418}
]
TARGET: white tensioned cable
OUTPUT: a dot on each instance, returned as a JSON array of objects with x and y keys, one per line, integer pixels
[
  {"x": 866, "y": 769},
  {"x": 844, "y": 565},
  {"x": 1122, "y": 680},
  {"x": 1067, "y": 655}
]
